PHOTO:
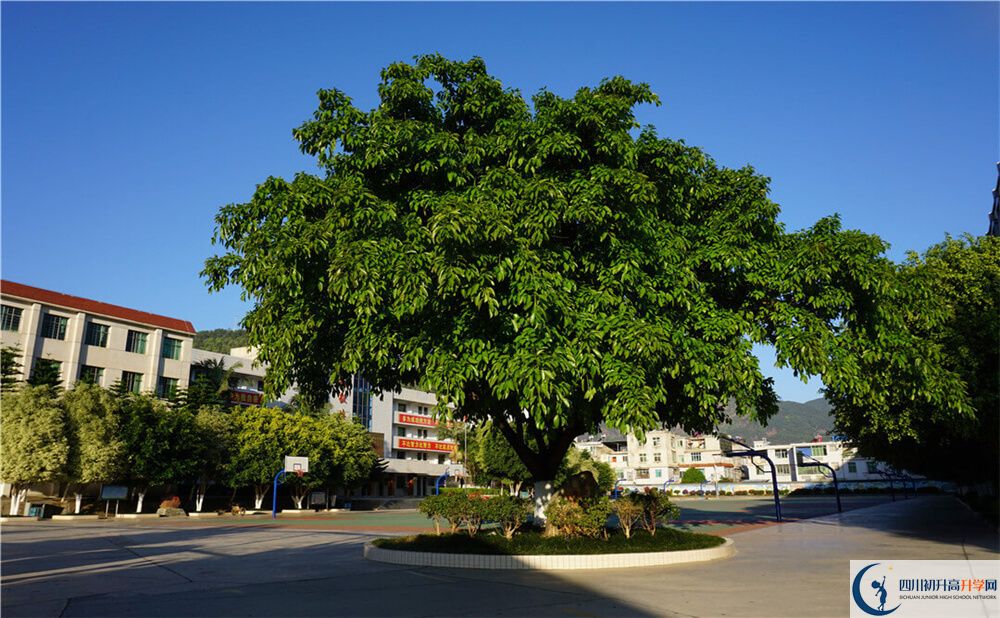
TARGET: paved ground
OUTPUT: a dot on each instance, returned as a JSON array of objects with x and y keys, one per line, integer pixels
[{"x": 254, "y": 569}]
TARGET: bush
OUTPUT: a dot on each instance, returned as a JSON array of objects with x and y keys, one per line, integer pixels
[
  {"x": 693, "y": 475},
  {"x": 508, "y": 511},
  {"x": 629, "y": 512},
  {"x": 656, "y": 507},
  {"x": 446, "y": 505},
  {"x": 472, "y": 510},
  {"x": 587, "y": 518}
]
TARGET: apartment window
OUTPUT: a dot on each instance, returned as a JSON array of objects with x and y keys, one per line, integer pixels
[
  {"x": 97, "y": 334},
  {"x": 811, "y": 470},
  {"x": 423, "y": 410},
  {"x": 131, "y": 382},
  {"x": 695, "y": 457},
  {"x": 656, "y": 458},
  {"x": 421, "y": 456},
  {"x": 11, "y": 318},
  {"x": 656, "y": 442},
  {"x": 614, "y": 460},
  {"x": 818, "y": 451},
  {"x": 659, "y": 473},
  {"x": 260, "y": 385},
  {"x": 166, "y": 387},
  {"x": 54, "y": 326},
  {"x": 421, "y": 433},
  {"x": 783, "y": 469},
  {"x": 781, "y": 453},
  {"x": 440, "y": 459},
  {"x": 400, "y": 407},
  {"x": 172, "y": 348},
  {"x": 401, "y": 432},
  {"x": 624, "y": 458},
  {"x": 642, "y": 457},
  {"x": 852, "y": 467},
  {"x": 642, "y": 473},
  {"x": 135, "y": 342},
  {"x": 91, "y": 375}
]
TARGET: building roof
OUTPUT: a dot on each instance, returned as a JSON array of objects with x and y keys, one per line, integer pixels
[{"x": 27, "y": 292}]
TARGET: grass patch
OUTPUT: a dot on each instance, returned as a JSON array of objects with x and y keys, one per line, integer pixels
[{"x": 533, "y": 543}]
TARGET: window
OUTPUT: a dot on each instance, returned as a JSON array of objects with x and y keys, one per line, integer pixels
[
  {"x": 260, "y": 385},
  {"x": 172, "y": 348},
  {"x": 361, "y": 401},
  {"x": 656, "y": 442},
  {"x": 818, "y": 451},
  {"x": 781, "y": 453},
  {"x": 11, "y": 318},
  {"x": 135, "y": 342},
  {"x": 624, "y": 458},
  {"x": 783, "y": 469},
  {"x": 91, "y": 375},
  {"x": 131, "y": 382},
  {"x": 97, "y": 334},
  {"x": 811, "y": 470},
  {"x": 656, "y": 458},
  {"x": 54, "y": 327},
  {"x": 659, "y": 473},
  {"x": 614, "y": 460},
  {"x": 421, "y": 456},
  {"x": 401, "y": 432},
  {"x": 852, "y": 467},
  {"x": 642, "y": 473},
  {"x": 695, "y": 457},
  {"x": 423, "y": 410},
  {"x": 642, "y": 457},
  {"x": 864, "y": 468},
  {"x": 440, "y": 459},
  {"x": 400, "y": 407},
  {"x": 166, "y": 387},
  {"x": 422, "y": 433}
]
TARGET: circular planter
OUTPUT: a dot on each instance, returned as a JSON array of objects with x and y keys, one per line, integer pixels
[{"x": 547, "y": 563}]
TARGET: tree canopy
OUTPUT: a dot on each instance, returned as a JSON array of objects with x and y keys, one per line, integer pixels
[{"x": 549, "y": 265}]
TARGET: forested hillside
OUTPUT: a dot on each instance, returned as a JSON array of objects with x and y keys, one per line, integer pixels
[
  {"x": 794, "y": 422},
  {"x": 220, "y": 339}
]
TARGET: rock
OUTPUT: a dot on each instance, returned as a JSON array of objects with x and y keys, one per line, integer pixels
[{"x": 171, "y": 512}]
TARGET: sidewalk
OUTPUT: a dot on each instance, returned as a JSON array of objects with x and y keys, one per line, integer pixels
[{"x": 793, "y": 569}]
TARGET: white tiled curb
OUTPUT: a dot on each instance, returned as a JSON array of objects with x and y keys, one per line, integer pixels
[{"x": 547, "y": 563}]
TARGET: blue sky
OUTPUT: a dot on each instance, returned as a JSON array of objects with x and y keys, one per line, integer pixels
[{"x": 126, "y": 126}]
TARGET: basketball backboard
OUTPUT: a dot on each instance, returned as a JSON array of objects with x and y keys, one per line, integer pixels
[{"x": 296, "y": 464}]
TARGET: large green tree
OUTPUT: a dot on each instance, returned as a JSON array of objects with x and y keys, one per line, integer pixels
[
  {"x": 961, "y": 278},
  {"x": 96, "y": 448},
  {"x": 33, "y": 443},
  {"x": 212, "y": 448},
  {"x": 546, "y": 266}
]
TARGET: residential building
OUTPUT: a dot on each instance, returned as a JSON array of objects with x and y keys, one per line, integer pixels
[
  {"x": 838, "y": 455},
  {"x": 705, "y": 453}
]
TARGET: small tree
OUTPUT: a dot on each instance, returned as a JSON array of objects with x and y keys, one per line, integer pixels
[
  {"x": 213, "y": 448},
  {"x": 497, "y": 461},
  {"x": 510, "y": 512},
  {"x": 258, "y": 450},
  {"x": 693, "y": 475},
  {"x": 159, "y": 443},
  {"x": 629, "y": 511},
  {"x": 96, "y": 447},
  {"x": 45, "y": 372},
  {"x": 33, "y": 443},
  {"x": 656, "y": 508},
  {"x": 10, "y": 368}
]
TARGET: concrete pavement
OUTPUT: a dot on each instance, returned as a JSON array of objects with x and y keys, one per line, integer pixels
[{"x": 792, "y": 569}]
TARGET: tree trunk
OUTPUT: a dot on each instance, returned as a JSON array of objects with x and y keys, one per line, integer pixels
[
  {"x": 544, "y": 490},
  {"x": 79, "y": 501},
  {"x": 15, "y": 499},
  {"x": 260, "y": 492},
  {"x": 517, "y": 488},
  {"x": 199, "y": 498},
  {"x": 142, "y": 496}
]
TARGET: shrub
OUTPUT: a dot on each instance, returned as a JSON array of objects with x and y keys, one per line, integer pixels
[
  {"x": 472, "y": 510},
  {"x": 629, "y": 512},
  {"x": 433, "y": 507},
  {"x": 446, "y": 505},
  {"x": 587, "y": 518},
  {"x": 508, "y": 511},
  {"x": 656, "y": 507}
]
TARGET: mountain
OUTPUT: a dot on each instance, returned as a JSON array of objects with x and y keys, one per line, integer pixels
[
  {"x": 220, "y": 340},
  {"x": 794, "y": 422}
]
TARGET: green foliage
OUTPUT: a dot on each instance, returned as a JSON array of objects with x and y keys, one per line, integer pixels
[
  {"x": 794, "y": 422},
  {"x": 510, "y": 512},
  {"x": 45, "y": 372},
  {"x": 209, "y": 385},
  {"x": 467, "y": 438},
  {"x": 547, "y": 267},
  {"x": 33, "y": 444},
  {"x": 957, "y": 286},
  {"x": 220, "y": 340},
  {"x": 656, "y": 509},
  {"x": 96, "y": 447},
  {"x": 160, "y": 442},
  {"x": 214, "y": 443},
  {"x": 693, "y": 475},
  {"x": 629, "y": 512},
  {"x": 578, "y": 518},
  {"x": 10, "y": 368},
  {"x": 577, "y": 461},
  {"x": 534, "y": 543},
  {"x": 497, "y": 461}
]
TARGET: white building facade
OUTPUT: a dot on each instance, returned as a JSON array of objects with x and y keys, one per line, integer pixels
[{"x": 838, "y": 455}]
